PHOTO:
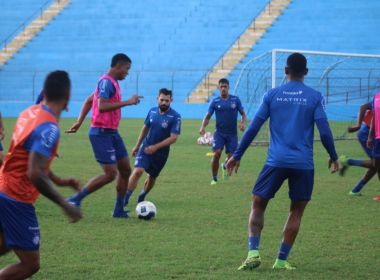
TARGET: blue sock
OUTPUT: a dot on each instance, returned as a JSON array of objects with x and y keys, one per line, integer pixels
[
  {"x": 253, "y": 242},
  {"x": 80, "y": 195},
  {"x": 284, "y": 251},
  {"x": 127, "y": 196},
  {"x": 119, "y": 205},
  {"x": 142, "y": 196},
  {"x": 355, "y": 162},
  {"x": 215, "y": 178},
  {"x": 359, "y": 186}
]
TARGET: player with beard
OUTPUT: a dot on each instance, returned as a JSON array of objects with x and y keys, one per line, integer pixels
[{"x": 161, "y": 128}]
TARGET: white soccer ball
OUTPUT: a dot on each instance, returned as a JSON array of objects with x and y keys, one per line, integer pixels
[{"x": 146, "y": 210}]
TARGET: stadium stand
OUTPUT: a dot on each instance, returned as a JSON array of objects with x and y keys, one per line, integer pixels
[
  {"x": 312, "y": 25},
  {"x": 15, "y": 13},
  {"x": 171, "y": 44}
]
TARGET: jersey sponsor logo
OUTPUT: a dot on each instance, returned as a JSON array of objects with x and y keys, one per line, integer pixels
[
  {"x": 49, "y": 136},
  {"x": 233, "y": 105},
  {"x": 293, "y": 92},
  {"x": 292, "y": 100}
]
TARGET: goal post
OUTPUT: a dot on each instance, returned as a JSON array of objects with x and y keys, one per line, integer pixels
[{"x": 346, "y": 80}]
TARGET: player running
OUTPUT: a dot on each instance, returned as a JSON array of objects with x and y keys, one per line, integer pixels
[
  {"x": 373, "y": 141},
  {"x": 363, "y": 127},
  {"x": 107, "y": 144},
  {"x": 293, "y": 108},
  {"x": 226, "y": 108},
  {"x": 25, "y": 174},
  {"x": 161, "y": 128}
]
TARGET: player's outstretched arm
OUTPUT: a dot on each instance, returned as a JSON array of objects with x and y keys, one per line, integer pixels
[
  {"x": 363, "y": 108},
  {"x": 65, "y": 182},
  {"x": 164, "y": 143},
  {"x": 143, "y": 133},
  {"x": 327, "y": 141},
  {"x": 106, "y": 106},
  {"x": 205, "y": 122},
  {"x": 37, "y": 167},
  {"x": 231, "y": 165},
  {"x": 242, "y": 121},
  {"x": 86, "y": 107}
]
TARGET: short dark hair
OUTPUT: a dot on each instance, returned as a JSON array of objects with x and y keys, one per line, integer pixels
[
  {"x": 165, "y": 91},
  {"x": 120, "y": 57},
  {"x": 297, "y": 63},
  {"x": 57, "y": 85},
  {"x": 224, "y": 81}
]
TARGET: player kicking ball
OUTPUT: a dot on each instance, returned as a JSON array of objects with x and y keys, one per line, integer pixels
[{"x": 162, "y": 127}]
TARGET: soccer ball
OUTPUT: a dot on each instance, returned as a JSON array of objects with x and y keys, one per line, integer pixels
[{"x": 146, "y": 210}]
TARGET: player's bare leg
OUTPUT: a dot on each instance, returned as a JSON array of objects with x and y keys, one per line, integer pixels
[
  {"x": 215, "y": 166},
  {"x": 148, "y": 185},
  {"x": 3, "y": 248},
  {"x": 124, "y": 171},
  {"x": 124, "y": 168},
  {"x": 132, "y": 183},
  {"x": 291, "y": 230},
  {"x": 255, "y": 226},
  {"x": 29, "y": 264},
  {"x": 97, "y": 182}
]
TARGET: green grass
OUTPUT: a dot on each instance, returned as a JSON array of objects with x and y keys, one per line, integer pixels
[{"x": 201, "y": 231}]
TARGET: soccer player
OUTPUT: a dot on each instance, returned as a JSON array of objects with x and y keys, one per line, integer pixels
[
  {"x": 2, "y": 134},
  {"x": 362, "y": 126},
  {"x": 293, "y": 108},
  {"x": 373, "y": 141},
  {"x": 25, "y": 174},
  {"x": 226, "y": 108},
  {"x": 162, "y": 127},
  {"x": 107, "y": 144}
]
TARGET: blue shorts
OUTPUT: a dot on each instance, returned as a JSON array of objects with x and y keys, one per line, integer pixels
[
  {"x": 18, "y": 222},
  {"x": 152, "y": 164},
  {"x": 300, "y": 182},
  {"x": 376, "y": 148},
  {"x": 108, "y": 148},
  {"x": 223, "y": 139}
]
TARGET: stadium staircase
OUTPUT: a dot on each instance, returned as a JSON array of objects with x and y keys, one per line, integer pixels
[
  {"x": 31, "y": 30},
  {"x": 239, "y": 49}
]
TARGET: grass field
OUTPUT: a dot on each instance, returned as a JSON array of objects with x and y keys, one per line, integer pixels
[{"x": 201, "y": 231}]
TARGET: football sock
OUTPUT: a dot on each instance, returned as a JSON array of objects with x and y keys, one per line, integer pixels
[
  {"x": 80, "y": 195},
  {"x": 359, "y": 186},
  {"x": 119, "y": 205},
  {"x": 215, "y": 178},
  {"x": 127, "y": 196},
  {"x": 355, "y": 162},
  {"x": 142, "y": 196},
  {"x": 284, "y": 251},
  {"x": 253, "y": 243}
]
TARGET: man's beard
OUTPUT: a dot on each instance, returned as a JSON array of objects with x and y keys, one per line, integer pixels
[{"x": 164, "y": 108}]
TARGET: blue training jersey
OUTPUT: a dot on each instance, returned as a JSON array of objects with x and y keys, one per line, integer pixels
[
  {"x": 226, "y": 111},
  {"x": 106, "y": 90},
  {"x": 44, "y": 138},
  {"x": 293, "y": 109},
  {"x": 161, "y": 126}
]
